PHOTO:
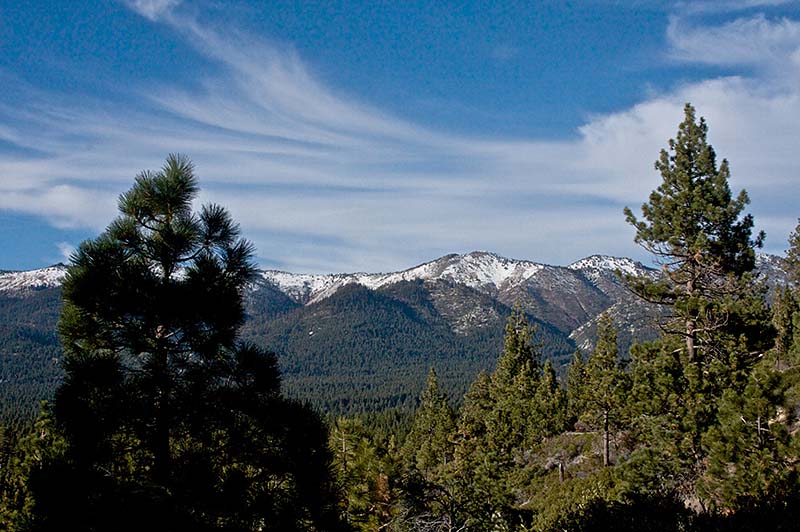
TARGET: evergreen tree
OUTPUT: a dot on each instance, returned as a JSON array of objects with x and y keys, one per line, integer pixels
[
  {"x": 698, "y": 234},
  {"x": 505, "y": 417},
  {"x": 430, "y": 498},
  {"x": 576, "y": 387},
  {"x": 169, "y": 422},
  {"x": 793, "y": 256},
  {"x": 526, "y": 396},
  {"x": 27, "y": 455},
  {"x": 474, "y": 477},
  {"x": 429, "y": 446},
  {"x": 548, "y": 415},
  {"x": 785, "y": 311},
  {"x": 367, "y": 473},
  {"x": 606, "y": 385},
  {"x": 749, "y": 454},
  {"x": 703, "y": 240}
]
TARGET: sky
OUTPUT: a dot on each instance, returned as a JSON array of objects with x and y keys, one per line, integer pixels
[{"x": 373, "y": 136}]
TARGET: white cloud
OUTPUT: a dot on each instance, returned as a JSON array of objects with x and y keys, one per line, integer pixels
[
  {"x": 153, "y": 9},
  {"x": 727, "y": 6},
  {"x": 323, "y": 182},
  {"x": 66, "y": 250},
  {"x": 753, "y": 42}
]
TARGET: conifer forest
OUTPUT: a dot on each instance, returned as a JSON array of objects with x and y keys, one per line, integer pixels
[{"x": 169, "y": 416}]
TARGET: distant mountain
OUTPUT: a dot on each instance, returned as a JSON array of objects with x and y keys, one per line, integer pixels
[
  {"x": 361, "y": 341},
  {"x": 30, "y": 355},
  {"x": 20, "y": 282}
]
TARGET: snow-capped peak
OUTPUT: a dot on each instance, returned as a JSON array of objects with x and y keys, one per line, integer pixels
[
  {"x": 478, "y": 269},
  {"x": 605, "y": 263},
  {"x": 43, "y": 278}
]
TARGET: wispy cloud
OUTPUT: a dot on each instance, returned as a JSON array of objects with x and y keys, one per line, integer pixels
[
  {"x": 66, "y": 249},
  {"x": 152, "y": 9},
  {"x": 324, "y": 182},
  {"x": 727, "y": 6},
  {"x": 754, "y": 42}
]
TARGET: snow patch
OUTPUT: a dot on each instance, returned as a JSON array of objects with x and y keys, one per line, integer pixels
[
  {"x": 605, "y": 263},
  {"x": 49, "y": 277},
  {"x": 479, "y": 269}
]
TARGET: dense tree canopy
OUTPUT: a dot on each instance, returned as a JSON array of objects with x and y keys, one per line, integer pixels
[{"x": 169, "y": 422}]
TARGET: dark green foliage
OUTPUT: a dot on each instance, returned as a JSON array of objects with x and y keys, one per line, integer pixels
[
  {"x": 793, "y": 256},
  {"x": 504, "y": 417},
  {"x": 784, "y": 309},
  {"x": 368, "y": 473},
  {"x": 748, "y": 449},
  {"x": 576, "y": 387},
  {"x": 169, "y": 422},
  {"x": 30, "y": 354},
  {"x": 26, "y": 451},
  {"x": 721, "y": 324},
  {"x": 692, "y": 220},
  {"x": 701, "y": 237},
  {"x": 667, "y": 513},
  {"x": 605, "y": 387},
  {"x": 428, "y": 447},
  {"x": 362, "y": 350},
  {"x": 635, "y": 513}
]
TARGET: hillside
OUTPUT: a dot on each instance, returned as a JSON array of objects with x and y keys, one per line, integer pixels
[{"x": 356, "y": 342}]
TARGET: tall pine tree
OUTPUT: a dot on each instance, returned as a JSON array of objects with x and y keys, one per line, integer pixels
[
  {"x": 170, "y": 423},
  {"x": 702, "y": 238},
  {"x": 429, "y": 445},
  {"x": 606, "y": 387}
]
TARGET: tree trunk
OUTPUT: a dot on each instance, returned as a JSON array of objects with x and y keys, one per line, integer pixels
[
  {"x": 161, "y": 450},
  {"x": 606, "y": 437},
  {"x": 690, "y": 324}
]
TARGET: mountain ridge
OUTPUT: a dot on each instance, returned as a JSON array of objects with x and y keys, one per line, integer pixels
[
  {"x": 477, "y": 269},
  {"x": 354, "y": 342},
  {"x": 483, "y": 270}
]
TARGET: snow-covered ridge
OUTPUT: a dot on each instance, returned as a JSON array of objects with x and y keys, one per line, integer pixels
[
  {"x": 44, "y": 278},
  {"x": 481, "y": 270},
  {"x": 478, "y": 269},
  {"x": 605, "y": 263}
]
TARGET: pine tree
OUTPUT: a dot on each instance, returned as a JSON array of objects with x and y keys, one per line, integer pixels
[
  {"x": 606, "y": 385},
  {"x": 698, "y": 234},
  {"x": 366, "y": 474},
  {"x": 514, "y": 383},
  {"x": 475, "y": 479},
  {"x": 720, "y": 325},
  {"x": 429, "y": 445},
  {"x": 430, "y": 491},
  {"x": 576, "y": 387},
  {"x": 785, "y": 310},
  {"x": 548, "y": 415},
  {"x": 505, "y": 417},
  {"x": 169, "y": 421},
  {"x": 749, "y": 455},
  {"x": 793, "y": 256},
  {"x": 24, "y": 467}
]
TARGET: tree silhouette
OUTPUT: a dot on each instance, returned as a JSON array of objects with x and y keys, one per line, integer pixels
[{"x": 171, "y": 423}]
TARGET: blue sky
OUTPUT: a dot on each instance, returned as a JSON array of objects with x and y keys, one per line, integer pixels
[{"x": 373, "y": 136}]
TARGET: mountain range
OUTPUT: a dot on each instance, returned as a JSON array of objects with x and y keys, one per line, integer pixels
[{"x": 356, "y": 342}]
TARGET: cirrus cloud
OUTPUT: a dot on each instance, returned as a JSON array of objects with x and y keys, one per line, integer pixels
[{"x": 324, "y": 182}]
